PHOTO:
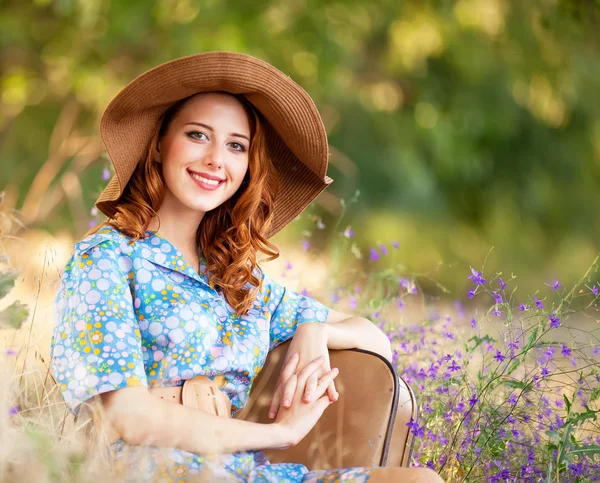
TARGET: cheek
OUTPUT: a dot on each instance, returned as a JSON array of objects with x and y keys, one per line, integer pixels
[{"x": 240, "y": 173}]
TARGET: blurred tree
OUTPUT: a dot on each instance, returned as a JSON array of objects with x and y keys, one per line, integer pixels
[{"x": 469, "y": 123}]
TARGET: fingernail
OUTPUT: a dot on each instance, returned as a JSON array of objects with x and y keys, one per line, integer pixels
[
  {"x": 335, "y": 369},
  {"x": 294, "y": 355},
  {"x": 308, "y": 398},
  {"x": 286, "y": 403},
  {"x": 271, "y": 415}
]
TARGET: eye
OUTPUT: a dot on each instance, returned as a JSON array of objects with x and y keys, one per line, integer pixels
[
  {"x": 190, "y": 134},
  {"x": 240, "y": 147}
]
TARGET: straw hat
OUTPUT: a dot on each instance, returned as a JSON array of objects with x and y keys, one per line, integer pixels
[{"x": 296, "y": 138}]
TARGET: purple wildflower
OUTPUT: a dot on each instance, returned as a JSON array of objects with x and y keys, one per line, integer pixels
[
  {"x": 335, "y": 298},
  {"x": 14, "y": 410},
  {"x": 502, "y": 284},
  {"x": 554, "y": 320},
  {"x": 288, "y": 265},
  {"x": 352, "y": 302},
  {"x": 92, "y": 223},
  {"x": 496, "y": 312},
  {"x": 471, "y": 294},
  {"x": 538, "y": 302},
  {"x": 383, "y": 249},
  {"x": 473, "y": 323},
  {"x": 499, "y": 357},
  {"x": 498, "y": 298},
  {"x": 566, "y": 351},
  {"x": 594, "y": 290},
  {"x": 454, "y": 366},
  {"x": 348, "y": 232},
  {"x": 10, "y": 352},
  {"x": 305, "y": 292},
  {"x": 105, "y": 174},
  {"x": 523, "y": 307},
  {"x": 305, "y": 245},
  {"x": 555, "y": 285},
  {"x": 512, "y": 399},
  {"x": 476, "y": 277},
  {"x": 399, "y": 303},
  {"x": 416, "y": 428},
  {"x": 395, "y": 244},
  {"x": 473, "y": 400},
  {"x": 374, "y": 255}
]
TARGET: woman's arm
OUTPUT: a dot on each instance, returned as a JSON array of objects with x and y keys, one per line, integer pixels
[
  {"x": 345, "y": 331},
  {"x": 140, "y": 418},
  {"x": 143, "y": 419}
]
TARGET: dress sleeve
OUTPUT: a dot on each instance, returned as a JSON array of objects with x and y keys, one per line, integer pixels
[
  {"x": 96, "y": 345},
  {"x": 288, "y": 310}
]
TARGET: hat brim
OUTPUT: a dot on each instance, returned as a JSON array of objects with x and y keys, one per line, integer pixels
[{"x": 296, "y": 137}]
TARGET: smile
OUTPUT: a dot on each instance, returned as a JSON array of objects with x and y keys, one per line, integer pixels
[{"x": 205, "y": 183}]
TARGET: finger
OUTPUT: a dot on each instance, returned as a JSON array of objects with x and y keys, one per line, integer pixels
[
  {"x": 309, "y": 368},
  {"x": 273, "y": 409},
  {"x": 322, "y": 403},
  {"x": 311, "y": 387},
  {"x": 289, "y": 390},
  {"x": 332, "y": 392},
  {"x": 289, "y": 368},
  {"x": 325, "y": 382}
]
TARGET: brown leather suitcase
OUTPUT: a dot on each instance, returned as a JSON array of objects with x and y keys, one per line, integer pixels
[{"x": 365, "y": 427}]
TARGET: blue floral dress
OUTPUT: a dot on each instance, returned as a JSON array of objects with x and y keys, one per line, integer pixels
[{"x": 137, "y": 314}]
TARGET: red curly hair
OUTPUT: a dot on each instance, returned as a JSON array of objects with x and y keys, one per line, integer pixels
[{"x": 228, "y": 236}]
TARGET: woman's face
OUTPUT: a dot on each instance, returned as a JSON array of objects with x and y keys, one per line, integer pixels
[{"x": 204, "y": 154}]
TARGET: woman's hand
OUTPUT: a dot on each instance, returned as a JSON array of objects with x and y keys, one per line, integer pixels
[
  {"x": 297, "y": 420},
  {"x": 309, "y": 342}
]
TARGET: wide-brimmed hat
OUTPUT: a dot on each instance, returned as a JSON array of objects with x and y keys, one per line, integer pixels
[{"x": 296, "y": 137}]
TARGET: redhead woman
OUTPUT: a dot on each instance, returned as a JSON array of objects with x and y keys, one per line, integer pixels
[{"x": 165, "y": 302}]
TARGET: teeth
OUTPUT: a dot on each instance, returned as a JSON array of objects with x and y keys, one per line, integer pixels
[{"x": 204, "y": 180}]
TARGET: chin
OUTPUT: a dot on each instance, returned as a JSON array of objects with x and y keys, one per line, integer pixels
[{"x": 204, "y": 207}]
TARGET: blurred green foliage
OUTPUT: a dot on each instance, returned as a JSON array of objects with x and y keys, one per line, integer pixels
[{"x": 466, "y": 124}]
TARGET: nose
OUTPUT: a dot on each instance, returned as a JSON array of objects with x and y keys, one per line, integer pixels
[{"x": 213, "y": 157}]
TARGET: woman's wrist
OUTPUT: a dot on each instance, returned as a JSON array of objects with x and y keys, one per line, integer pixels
[
  {"x": 317, "y": 329},
  {"x": 282, "y": 436}
]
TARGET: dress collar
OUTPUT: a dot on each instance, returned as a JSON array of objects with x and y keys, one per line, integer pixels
[
  {"x": 154, "y": 248},
  {"x": 160, "y": 251}
]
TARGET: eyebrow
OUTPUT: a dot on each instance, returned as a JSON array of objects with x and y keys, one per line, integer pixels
[{"x": 211, "y": 129}]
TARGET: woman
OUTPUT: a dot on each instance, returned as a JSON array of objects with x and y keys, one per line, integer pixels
[{"x": 213, "y": 153}]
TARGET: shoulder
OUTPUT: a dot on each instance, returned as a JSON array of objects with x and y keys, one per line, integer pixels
[
  {"x": 107, "y": 239},
  {"x": 106, "y": 249}
]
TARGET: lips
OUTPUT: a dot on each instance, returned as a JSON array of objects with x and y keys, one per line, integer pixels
[
  {"x": 203, "y": 185},
  {"x": 206, "y": 175}
]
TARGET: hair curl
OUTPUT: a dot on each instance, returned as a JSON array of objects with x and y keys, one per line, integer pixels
[{"x": 228, "y": 236}]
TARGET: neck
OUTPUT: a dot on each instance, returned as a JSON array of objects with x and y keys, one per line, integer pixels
[{"x": 180, "y": 231}]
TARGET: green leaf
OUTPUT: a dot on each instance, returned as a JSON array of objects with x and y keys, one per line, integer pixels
[
  {"x": 513, "y": 366},
  {"x": 7, "y": 282},
  {"x": 577, "y": 418},
  {"x": 591, "y": 450},
  {"x": 567, "y": 403},
  {"x": 531, "y": 339},
  {"x": 14, "y": 315},
  {"x": 514, "y": 384},
  {"x": 478, "y": 341}
]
